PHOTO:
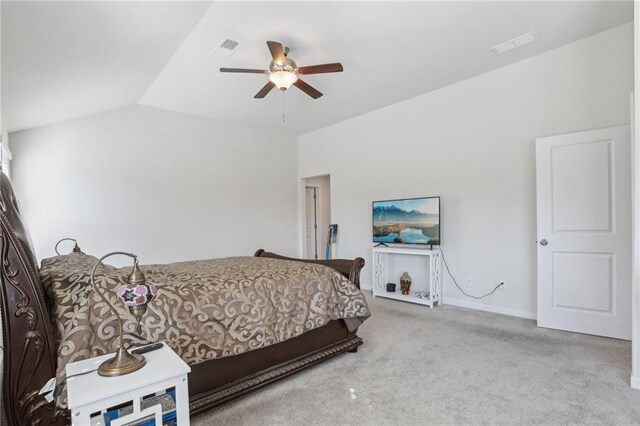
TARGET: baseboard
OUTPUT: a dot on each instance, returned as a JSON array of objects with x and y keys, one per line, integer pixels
[
  {"x": 635, "y": 382},
  {"x": 481, "y": 307},
  {"x": 488, "y": 308}
]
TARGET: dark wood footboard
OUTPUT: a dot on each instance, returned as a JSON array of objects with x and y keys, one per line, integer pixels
[
  {"x": 220, "y": 380},
  {"x": 349, "y": 268}
]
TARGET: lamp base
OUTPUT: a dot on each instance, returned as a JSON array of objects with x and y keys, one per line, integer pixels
[{"x": 122, "y": 363}]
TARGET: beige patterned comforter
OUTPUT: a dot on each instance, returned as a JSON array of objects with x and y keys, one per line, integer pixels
[{"x": 204, "y": 309}]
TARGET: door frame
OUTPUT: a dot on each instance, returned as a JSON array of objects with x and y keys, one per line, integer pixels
[
  {"x": 635, "y": 191},
  {"x": 304, "y": 221},
  {"x": 302, "y": 212}
]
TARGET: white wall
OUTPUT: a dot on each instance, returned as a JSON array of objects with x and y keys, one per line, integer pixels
[
  {"x": 164, "y": 185},
  {"x": 472, "y": 143}
]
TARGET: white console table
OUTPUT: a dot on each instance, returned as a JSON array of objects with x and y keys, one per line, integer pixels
[{"x": 381, "y": 275}]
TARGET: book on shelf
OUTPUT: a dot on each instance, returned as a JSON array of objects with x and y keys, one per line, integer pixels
[{"x": 166, "y": 401}]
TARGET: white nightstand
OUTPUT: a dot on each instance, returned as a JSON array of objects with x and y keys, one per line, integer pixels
[{"x": 90, "y": 393}]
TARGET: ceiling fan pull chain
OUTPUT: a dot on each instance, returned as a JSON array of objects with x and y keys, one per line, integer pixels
[{"x": 283, "y": 109}]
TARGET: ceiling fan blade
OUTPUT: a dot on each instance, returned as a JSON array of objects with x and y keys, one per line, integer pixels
[
  {"x": 321, "y": 69},
  {"x": 243, "y": 70},
  {"x": 307, "y": 89},
  {"x": 266, "y": 89},
  {"x": 277, "y": 52}
]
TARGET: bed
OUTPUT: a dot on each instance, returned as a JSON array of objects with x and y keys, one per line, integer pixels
[{"x": 30, "y": 353}]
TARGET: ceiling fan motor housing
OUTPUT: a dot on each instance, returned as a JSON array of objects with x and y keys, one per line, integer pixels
[{"x": 289, "y": 66}]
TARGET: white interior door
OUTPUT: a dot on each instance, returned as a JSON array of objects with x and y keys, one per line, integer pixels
[{"x": 584, "y": 232}]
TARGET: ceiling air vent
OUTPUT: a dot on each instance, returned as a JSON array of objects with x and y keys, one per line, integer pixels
[
  {"x": 515, "y": 43},
  {"x": 225, "y": 48},
  {"x": 228, "y": 44}
]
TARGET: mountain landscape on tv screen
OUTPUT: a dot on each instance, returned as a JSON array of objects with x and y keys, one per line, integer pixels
[{"x": 394, "y": 224}]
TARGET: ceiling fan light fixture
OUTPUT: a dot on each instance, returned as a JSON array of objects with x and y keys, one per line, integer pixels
[{"x": 283, "y": 79}]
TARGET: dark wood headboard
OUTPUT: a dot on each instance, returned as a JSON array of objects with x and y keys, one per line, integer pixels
[
  {"x": 29, "y": 350},
  {"x": 349, "y": 268}
]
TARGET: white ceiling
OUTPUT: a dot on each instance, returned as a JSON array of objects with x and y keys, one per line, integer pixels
[
  {"x": 67, "y": 59},
  {"x": 62, "y": 60}
]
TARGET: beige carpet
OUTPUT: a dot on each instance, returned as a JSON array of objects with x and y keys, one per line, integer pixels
[{"x": 450, "y": 366}]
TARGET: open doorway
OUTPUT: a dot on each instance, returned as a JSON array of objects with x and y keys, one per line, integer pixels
[{"x": 317, "y": 216}]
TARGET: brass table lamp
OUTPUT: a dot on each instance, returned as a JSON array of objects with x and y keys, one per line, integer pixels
[{"x": 136, "y": 295}]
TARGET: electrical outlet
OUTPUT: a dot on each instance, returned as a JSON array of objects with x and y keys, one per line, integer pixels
[{"x": 469, "y": 281}]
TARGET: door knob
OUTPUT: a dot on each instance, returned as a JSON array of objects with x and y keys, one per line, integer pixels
[{"x": 544, "y": 242}]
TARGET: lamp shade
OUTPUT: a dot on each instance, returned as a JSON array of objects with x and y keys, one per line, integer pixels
[
  {"x": 137, "y": 293},
  {"x": 283, "y": 79},
  {"x": 132, "y": 295}
]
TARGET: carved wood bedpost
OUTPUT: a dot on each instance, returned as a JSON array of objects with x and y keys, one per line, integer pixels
[
  {"x": 354, "y": 276},
  {"x": 29, "y": 358}
]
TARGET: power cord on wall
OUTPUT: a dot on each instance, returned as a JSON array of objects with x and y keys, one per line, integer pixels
[{"x": 460, "y": 288}]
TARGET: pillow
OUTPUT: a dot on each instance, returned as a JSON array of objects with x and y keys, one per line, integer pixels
[
  {"x": 71, "y": 264},
  {"x": 68, "y": 271}
]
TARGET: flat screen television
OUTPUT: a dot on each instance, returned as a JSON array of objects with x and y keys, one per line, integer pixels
[{"x": 408, "y": 221}]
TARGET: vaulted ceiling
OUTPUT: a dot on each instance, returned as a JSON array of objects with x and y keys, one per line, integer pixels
[
  {"x": 62, "y": 60},
  {"x": 66, "y": 59}
]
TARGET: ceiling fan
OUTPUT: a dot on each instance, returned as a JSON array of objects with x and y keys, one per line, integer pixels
[{"x": 283, "y": 72}]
